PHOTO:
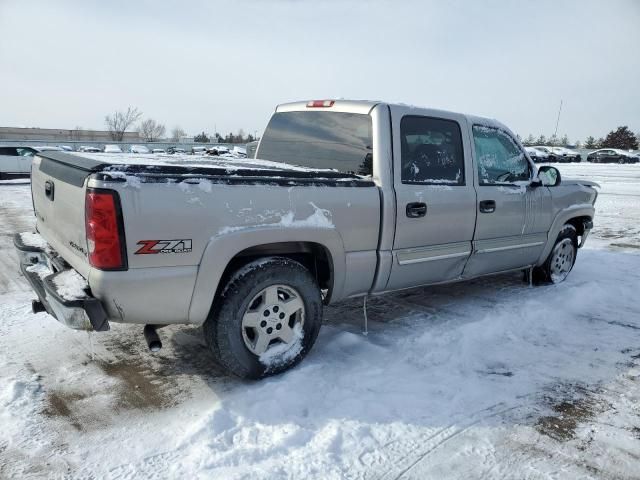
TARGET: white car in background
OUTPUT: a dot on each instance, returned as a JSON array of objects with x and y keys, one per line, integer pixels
[
  {"x": 112, "y": 149},
  {"x": 537, "y": 155},
  {"x": 15, "y": 161},
  {"x": 239, "y": 152},
  {"x": 139, "y": 149},
  {"x": 48, "y": 148},
  {"x": 158, "y": 150},
  {"x": 89, "y": 149}
]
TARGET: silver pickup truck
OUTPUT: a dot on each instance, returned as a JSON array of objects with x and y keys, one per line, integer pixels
[{"x": 347, "y": 199}]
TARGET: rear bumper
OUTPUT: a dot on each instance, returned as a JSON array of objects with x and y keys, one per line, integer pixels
[{"x": 42, "y": 267}]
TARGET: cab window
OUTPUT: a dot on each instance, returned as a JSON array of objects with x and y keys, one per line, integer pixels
[
  {"x": 499, "y": 159},
  {"x": 431, "y": 150}
]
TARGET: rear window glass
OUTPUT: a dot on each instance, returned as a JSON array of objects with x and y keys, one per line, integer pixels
[
  {"x": 431, "y": 151},
  {"x": 323, "y": 140}
]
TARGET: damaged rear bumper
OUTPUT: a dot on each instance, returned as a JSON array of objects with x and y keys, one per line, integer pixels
[{"x": 41, "y": 266}]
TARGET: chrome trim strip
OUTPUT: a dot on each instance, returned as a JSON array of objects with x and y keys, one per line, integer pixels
[
  {"x": 437, "y": 257},
  {"x": 509, "y": 247}
]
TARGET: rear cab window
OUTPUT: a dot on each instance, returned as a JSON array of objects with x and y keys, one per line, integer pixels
[
  {"x": 432, "y": 152},
  {"x": 320, "y": 140}
]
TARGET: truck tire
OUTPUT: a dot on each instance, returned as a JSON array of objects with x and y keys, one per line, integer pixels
[
  {"x": 266, "y": 319},
  {"x": 561, "y": 258}
]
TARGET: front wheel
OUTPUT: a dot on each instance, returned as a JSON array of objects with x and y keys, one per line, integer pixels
[
  {"x": 266, "y": 319},
  {"x": 560, "y": 261}
]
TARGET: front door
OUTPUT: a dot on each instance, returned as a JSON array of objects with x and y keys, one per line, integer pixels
[
  {"x": 24, "y": 159},
  {"x": 510, "y": 232},
  {"x": 435, "y": 197}
]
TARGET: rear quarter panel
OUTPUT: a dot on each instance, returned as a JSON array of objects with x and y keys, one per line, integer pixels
[{"x": 218, "y": 221}]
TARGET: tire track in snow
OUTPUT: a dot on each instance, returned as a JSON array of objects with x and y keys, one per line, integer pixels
[{"x": 406, "y": 453}]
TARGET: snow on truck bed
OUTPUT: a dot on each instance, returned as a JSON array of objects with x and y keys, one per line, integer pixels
[{"x": 228, "y": 164}]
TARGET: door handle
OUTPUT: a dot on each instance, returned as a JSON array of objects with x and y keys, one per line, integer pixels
[
  {"x": 488, "y": 206},
  {"x": 49, "y": 189},
  {"x": 416, "y": 209}
]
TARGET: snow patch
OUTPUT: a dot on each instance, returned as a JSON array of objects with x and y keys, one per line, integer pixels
[
  {"x": 33, "y": 240},
  {"x": 131, "y": 181},
  {"x": 320, "y": 218},
  {"x": 283, "y": 352},
  {"x": 70, "y": 285}
]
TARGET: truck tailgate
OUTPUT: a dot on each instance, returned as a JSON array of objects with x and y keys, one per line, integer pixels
[{"x": 58, "y": 183}]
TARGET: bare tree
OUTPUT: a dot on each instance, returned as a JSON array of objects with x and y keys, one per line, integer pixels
[
  {"x": 119, "y": 122},
  {"x": 177, "y": 133},
  {"x": 151, "y": 130}
]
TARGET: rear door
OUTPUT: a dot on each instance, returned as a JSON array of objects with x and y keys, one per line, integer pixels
[
  {"x": 511, "y": 225},
  {"x": 435, "y": 197}
]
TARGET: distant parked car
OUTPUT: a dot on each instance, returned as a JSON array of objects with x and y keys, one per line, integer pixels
[
  {"x": 66, "y": 148},
  {"x": 551, "y": 157},
  {"x": 112, "y": 149},
  {"x": 15, "y": 161},
  {"x": 536, "y": 155},
  {"x": 217, "y": 150},
  {"x": 89, "y": 149},
  {"x": 239, "y": 152},
  {"x": 566, "y": 154},
  {"x": 559, "y": 154},
  {"x": 48, "y": 148},
  {"x": 158, "y": 150},
  {"x": 139, "y": 149},
  {"x": 612, "y": 155},
  {"x": 198, "y": 150},
  {"x": 173, "y": 150}
]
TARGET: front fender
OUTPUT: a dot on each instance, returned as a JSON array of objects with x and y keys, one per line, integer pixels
[
  {"x": 561, "y": 218},
  {"x": 222, "y": 248}
]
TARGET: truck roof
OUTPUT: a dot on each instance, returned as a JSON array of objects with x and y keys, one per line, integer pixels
[{"x": 365, "y": 107}]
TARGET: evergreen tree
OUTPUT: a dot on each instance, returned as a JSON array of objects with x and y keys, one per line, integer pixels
[
  {"x": 564, "y": 141},
  {"x": 530, "y": 140},
  {"x": 201, "y": 138},
  {"x": 621, "y": 138},
  {"x": 590, "y": 142},
  {"x": 542, "y": 140}
]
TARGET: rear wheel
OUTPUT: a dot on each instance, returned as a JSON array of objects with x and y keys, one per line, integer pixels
[
  {"x": 561, "y": 259},
  {"x": 266, "y": 319}
]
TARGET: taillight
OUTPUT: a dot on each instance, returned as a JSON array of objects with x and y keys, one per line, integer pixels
[
  {"x": 320, "y": 103},
  {"x": 105, "y": 232}
]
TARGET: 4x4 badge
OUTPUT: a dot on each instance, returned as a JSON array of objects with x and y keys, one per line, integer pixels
[{"x": 163, "y": 246}]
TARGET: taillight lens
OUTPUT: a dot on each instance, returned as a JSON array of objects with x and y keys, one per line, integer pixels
[{"x": 105, "y": 233}]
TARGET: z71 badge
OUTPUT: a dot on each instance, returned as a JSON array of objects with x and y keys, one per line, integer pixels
[{"x": 163, "y": 246}]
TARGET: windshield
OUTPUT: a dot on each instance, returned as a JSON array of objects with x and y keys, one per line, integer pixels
[{"x": 323, "y": 140}]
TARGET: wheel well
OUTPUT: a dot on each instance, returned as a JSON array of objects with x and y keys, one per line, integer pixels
[
  {"x": 578, "y": 223},
  {"x": 314, "y": 256}
]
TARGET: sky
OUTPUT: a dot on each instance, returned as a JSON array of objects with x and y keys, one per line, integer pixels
[{"x": 212, "y": 65}]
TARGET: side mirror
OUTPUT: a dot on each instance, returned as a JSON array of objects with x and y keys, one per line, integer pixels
[{"x": 549, "y": 176}]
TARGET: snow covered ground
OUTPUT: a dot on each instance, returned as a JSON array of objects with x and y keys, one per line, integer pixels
[{"x": 484, "y": 379}]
